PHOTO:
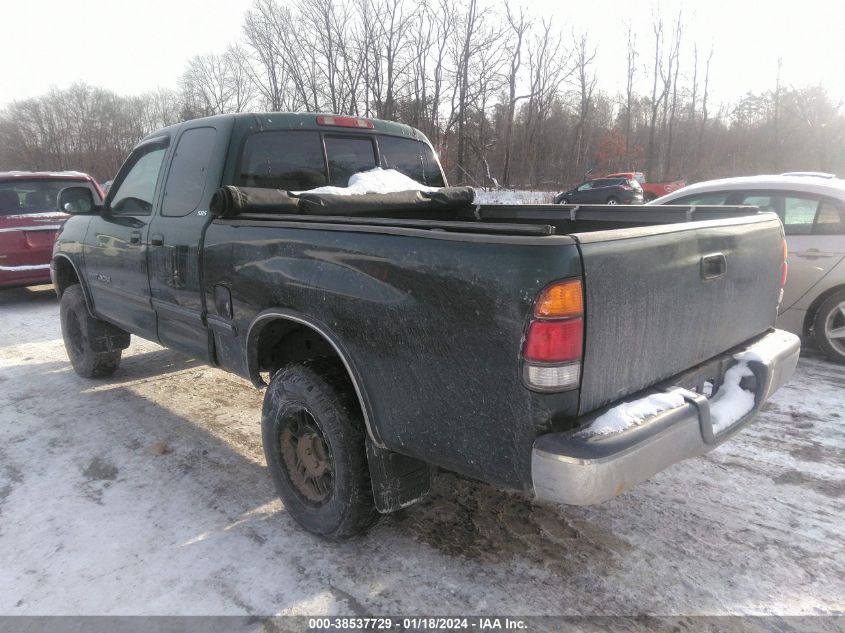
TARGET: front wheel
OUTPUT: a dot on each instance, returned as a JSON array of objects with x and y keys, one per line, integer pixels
[
  {"x": 94, "y": 347},
  {"x": 314, "y": 442},
  {"x": 829, "y": 327},
  {"x": 612, "y": 200}
]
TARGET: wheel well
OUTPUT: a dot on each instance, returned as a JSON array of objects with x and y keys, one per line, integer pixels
[
  {"x": 281, "y": 341},
  {"x": 814, "y": 307},
  {"x": 65, "y": 275},
  {"x": 278, "y": 340}
]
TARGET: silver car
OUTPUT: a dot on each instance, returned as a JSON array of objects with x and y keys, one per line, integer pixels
[{"x": 812, "y": 210}]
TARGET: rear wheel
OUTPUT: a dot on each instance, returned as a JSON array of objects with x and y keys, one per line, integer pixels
[
  {"x": 829, "y": 327},
  {"x": 648, "y": 197},
  {"x": 612, "y": 200},
  {"x": 85, "y": 337},
  {"x": 314, "y": 442}
]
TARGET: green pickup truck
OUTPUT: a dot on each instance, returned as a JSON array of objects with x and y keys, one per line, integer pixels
[{"x": 567, "y": 352}]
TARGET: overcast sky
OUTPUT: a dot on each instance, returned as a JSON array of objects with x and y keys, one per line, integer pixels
[{"x": 48, "y": 43}]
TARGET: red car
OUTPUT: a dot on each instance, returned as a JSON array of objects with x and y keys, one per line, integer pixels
[
  {"x": 651, "y": 190},
  {"x": 29, "y": 221}
]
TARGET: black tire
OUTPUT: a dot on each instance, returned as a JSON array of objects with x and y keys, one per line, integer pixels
[
  {"x": 831, "y": 316},
  {"x": 314, "y": 443},
  {"x": 80, "y": 331},
  {"x": 612, "y": 200},
  {"x": 648, "y": 197},
  {"x": 561, "y": 200}
]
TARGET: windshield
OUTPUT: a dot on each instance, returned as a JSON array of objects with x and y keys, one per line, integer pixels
[
  {"x": 21, "y": 196},
  {"x": 296, "y": 160}
]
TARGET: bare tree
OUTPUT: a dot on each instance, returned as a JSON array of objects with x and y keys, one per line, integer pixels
[
  {"x": 518, "y": 25},
  {"x": 585, "y": 80},
  {"x": 671, "y": 78},
  {"x": 629, "y": 89},
  {"x": 656, "y": 97}
]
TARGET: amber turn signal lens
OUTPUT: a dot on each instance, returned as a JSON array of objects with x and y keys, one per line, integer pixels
[{"x": 563, "y": 299}]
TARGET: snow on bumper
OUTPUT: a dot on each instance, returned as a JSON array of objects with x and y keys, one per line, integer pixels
[{"x": 581, "y": 468}]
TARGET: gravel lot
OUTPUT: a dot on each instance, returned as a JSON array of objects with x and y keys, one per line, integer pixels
[{"x": 147, "y": 494}]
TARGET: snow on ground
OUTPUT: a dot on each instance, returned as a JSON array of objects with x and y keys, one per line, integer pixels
[{"x": 147, "y": 494}]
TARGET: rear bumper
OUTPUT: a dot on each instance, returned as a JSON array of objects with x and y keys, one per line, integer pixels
[{"x": 577, "y": 469}]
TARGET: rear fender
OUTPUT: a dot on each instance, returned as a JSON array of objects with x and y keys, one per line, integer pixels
[{"x": 272, "y": 315}]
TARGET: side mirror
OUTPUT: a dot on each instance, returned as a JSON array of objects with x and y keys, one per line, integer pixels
[{"x": 76, "y": 201}]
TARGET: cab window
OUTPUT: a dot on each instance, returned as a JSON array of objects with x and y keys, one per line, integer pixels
[
  {"x": 412, "y": 158},
  {"x": 134, "y": 194},
  {"x": 347, "y": 156},
  {"x": 289, "y": 160}
]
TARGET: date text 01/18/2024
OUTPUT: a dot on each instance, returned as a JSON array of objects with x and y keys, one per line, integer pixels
[{"x": 416, "y": 624}]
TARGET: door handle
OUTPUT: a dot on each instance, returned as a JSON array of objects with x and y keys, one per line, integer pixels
[
  {"x": 713, "y": 266},
  {"x": 812, "y": 253},
  {"x": 156, "y": 240},
  {"x": 135, "y": 237}
]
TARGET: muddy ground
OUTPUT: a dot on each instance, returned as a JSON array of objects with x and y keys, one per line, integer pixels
[{"x": 147, "y": 494}]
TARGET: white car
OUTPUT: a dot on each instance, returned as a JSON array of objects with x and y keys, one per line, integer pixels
[{"x": 812, "y": 210}]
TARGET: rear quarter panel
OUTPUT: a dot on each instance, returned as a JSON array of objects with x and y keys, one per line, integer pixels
[{"x": 432, "y": 326}]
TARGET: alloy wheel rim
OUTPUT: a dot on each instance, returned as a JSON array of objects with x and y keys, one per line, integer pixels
[{"x": 834, "y": 328}]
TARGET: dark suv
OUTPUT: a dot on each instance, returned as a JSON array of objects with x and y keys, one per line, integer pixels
[{"x": 603, "y": 191}]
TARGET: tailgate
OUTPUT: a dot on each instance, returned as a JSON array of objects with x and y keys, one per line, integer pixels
[{"x": 662, "y": 299}]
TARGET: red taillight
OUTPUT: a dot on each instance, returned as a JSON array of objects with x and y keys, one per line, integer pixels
[
  {"x": 344, "y": 121},
  {"x": 555, "y": 341}
]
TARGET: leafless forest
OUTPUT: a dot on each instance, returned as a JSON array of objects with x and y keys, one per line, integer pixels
[{"x": 504, "y": 95}]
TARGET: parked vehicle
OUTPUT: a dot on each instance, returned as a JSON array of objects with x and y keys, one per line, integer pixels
[
  {"x": 651, "y": 190},
  {"x": 603, "y": 191},
  {"x": 29, "y": 222},
  {"x": 812, "y": 210},
  {"x": 413, "y": 329}
]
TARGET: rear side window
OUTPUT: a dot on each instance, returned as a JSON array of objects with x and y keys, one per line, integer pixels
[
  {"x": 188, "y": 172},
  {"x": 709, "y": 199},
  {"x": 830, "y": 219},
  {"x": 799, "y": 215},
  {"x": 348, "y": 156},
  {"x": 763, "y": 202},
  {"x": 289, "y": 160},
  {"x": 413, "y": 158}
]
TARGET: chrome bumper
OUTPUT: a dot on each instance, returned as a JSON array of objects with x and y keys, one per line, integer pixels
[{"x": 577, "y": 469}]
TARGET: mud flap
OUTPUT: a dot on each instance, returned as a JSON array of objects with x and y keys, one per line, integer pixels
[
  {"x": 398, "y": 480},
  {"x": 105, "y": 337}
]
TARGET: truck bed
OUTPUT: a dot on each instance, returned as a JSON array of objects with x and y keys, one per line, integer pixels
[{"x": 433, "y": 311}]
